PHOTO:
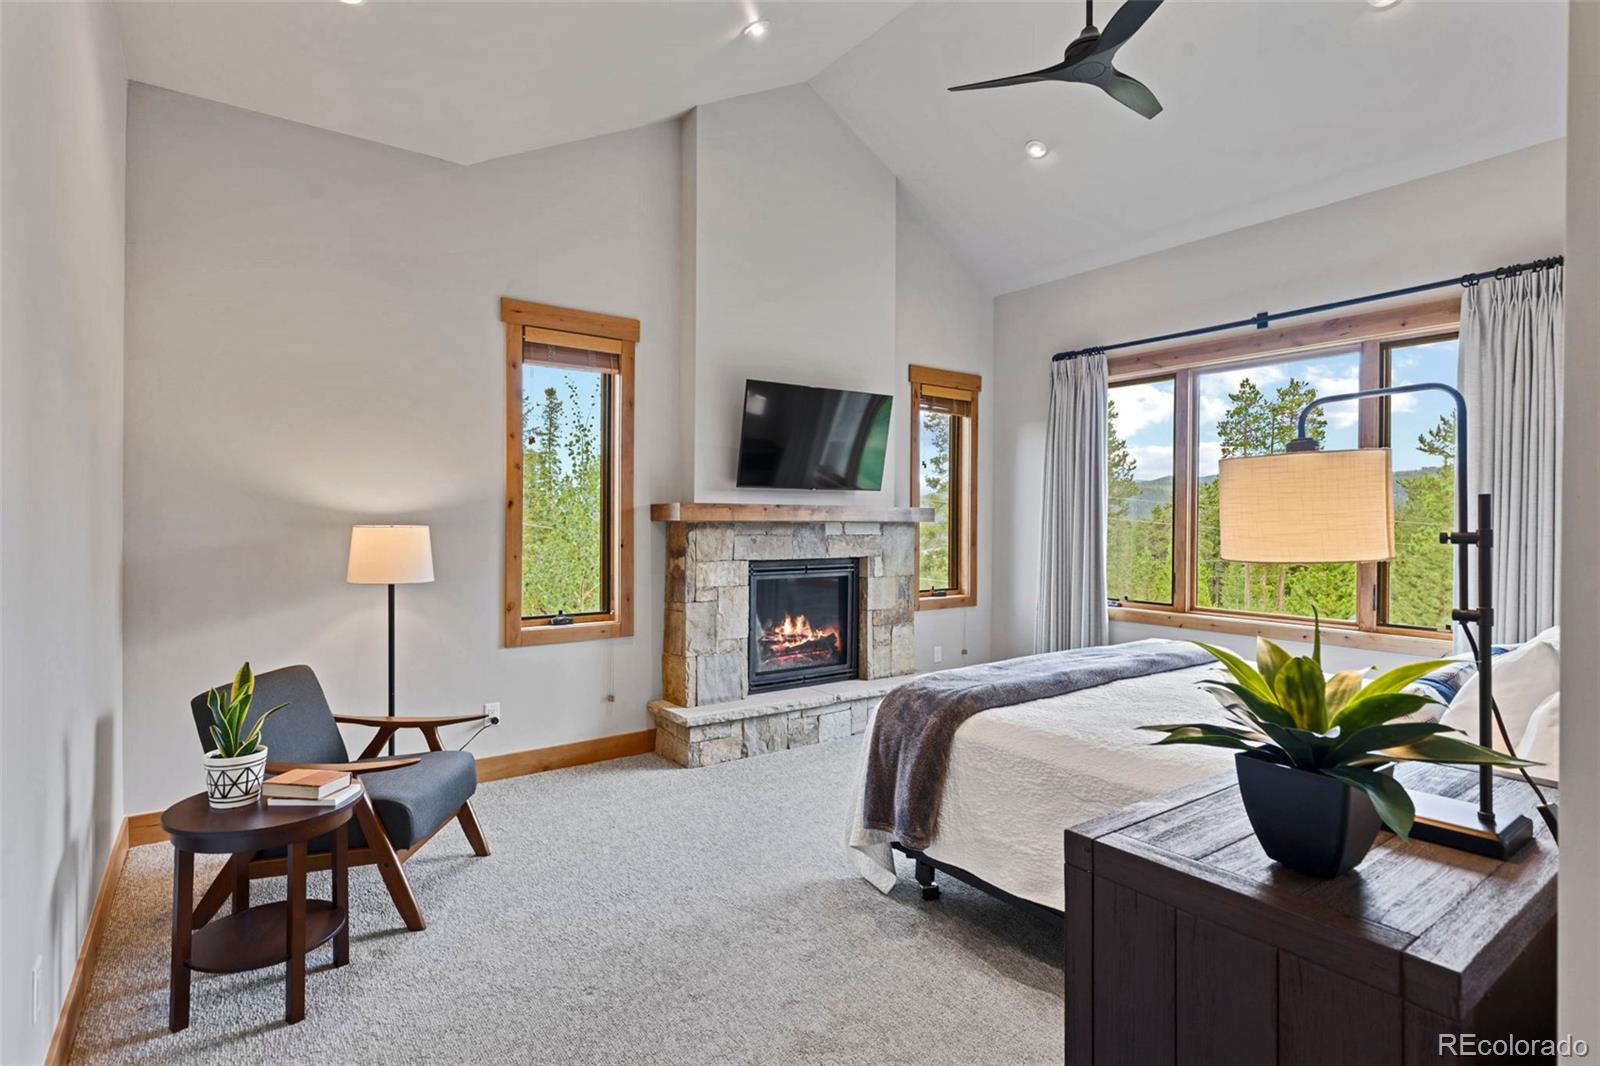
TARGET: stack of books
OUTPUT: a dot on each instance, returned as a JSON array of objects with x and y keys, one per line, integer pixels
[{"x": 309, "y": 788}]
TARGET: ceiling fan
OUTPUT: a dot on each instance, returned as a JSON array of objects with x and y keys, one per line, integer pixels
[{"x": 1088, "y": 60}]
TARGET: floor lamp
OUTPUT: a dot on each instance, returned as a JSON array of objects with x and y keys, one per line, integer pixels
[
  {"x": 1306, "y": 505},
  {"x": 390, "y": 555}
]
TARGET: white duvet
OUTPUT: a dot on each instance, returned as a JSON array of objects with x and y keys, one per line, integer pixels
[{"x": 1021, "y": 775}]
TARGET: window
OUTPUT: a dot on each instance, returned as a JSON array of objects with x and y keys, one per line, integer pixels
[
  {"x": 569, "y": 474},
  {"x": 1252, "y": 410},
  {"x": 944, "y": 476},
  {"x": 1139, "y": 447},
  {"x": 1416, "y": 589},
  {"x": 1174, "y": 414}
]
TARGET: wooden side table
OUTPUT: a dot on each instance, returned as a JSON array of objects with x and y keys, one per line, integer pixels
[
  {"x": 1186, "y": 944},
  {"x": 253, "y": 937}
]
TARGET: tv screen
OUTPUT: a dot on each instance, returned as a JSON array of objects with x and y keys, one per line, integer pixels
[{"x": 797, "y": 437}]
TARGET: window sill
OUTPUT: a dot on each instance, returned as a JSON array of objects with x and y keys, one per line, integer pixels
[
  {"x": 935, "y": 603},
  {"x": 1421, "y": 645},
  {"x": 528, "y": 635}
]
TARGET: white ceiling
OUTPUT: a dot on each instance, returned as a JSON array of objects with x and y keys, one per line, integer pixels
[
  {"x": 1271, "y": 108},
  {"x": 473, "y": 81}
]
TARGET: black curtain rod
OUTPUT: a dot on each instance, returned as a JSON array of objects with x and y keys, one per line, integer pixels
[{"x": 1262, "y": 319}]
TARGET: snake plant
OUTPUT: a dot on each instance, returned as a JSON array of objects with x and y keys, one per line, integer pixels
[
  {"x": 1287, "y": 711},
  {"x": 230, "y": 713}
]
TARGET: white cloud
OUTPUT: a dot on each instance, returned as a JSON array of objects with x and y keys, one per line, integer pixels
[
  {"x": 1330, "y": 381},
  {"x": 1139, "y": 406},
  {"x": 1209, "y": 456},
  {"x": 1155, "y": 460}
]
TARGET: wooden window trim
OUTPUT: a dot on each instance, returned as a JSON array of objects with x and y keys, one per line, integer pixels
[
  {"x": 612, "y": 340},
  {"x": 964, "y": 481},
  {"x": 1372, "y": 334}
]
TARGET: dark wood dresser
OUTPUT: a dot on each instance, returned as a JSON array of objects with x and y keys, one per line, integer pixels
[{"x": 1186, "y": 944}]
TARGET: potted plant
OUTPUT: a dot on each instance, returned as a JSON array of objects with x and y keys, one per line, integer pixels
[
  {"x": 1317, "y": 754},
  {"x": 234, "y": 768}
]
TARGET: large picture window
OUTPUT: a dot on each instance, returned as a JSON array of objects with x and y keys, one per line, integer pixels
[
  {"x": 944, "y": 476},
  {"x": 1173, "y": 415},
  {"x": 569, "y": 511}
]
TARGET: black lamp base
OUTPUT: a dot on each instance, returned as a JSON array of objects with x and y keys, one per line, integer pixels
[{"x": 1457, "y": 824}]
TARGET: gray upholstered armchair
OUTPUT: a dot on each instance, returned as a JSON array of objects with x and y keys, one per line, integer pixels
[{"x": 408, "y": 798}]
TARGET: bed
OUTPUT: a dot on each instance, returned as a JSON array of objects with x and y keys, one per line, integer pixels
[{"x": 1019, "y": 775}]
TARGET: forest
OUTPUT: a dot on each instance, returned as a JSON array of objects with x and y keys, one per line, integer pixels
[
  {"x": 1139, "y": 525},
  {"x": 562, "y": 494}
]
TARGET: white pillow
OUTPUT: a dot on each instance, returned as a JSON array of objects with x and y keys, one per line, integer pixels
[
  {"x": 1542, "y": 741},
  {"x": 1524, "y": 678}
]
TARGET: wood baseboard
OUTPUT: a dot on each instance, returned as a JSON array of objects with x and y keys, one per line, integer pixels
[
  {"x": 145, "y": 828},
  {"x": 559, "y": 756},
  {"x": 77, "y": 997}
]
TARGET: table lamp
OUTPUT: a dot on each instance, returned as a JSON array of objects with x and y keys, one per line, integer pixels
[
  {"x": 390, "y": 555},
  {"x": 1305, "y": 505}
]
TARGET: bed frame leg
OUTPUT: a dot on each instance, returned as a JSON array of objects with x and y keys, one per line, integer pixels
[{"x": 925, "y": 879}]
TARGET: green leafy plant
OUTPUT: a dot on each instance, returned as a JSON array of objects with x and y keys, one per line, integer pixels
[
  {"x": 1286, "y": 710},
  {"x": 230, "y": 714}
]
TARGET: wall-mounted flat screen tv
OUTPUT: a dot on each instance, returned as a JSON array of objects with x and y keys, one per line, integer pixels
[{"x": 797, "y": 437}]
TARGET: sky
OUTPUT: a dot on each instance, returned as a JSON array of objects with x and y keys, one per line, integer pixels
[{"x": 1144, "y": 411}]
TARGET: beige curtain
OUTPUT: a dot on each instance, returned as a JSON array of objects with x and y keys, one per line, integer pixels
[
  {"x": 1511, "y": 362},
  {"x": 1072, "y": 540}
]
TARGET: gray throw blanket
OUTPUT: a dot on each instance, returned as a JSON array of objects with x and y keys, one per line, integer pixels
[{"x": 909, "y": 752}]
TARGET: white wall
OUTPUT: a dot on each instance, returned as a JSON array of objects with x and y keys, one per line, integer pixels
[
  {"x": 793, "y": 266},
  {"x": 945, "y": 318},
  {"x": 313, "y": 341},
  {"x": 63, "y": 112},
  {"x": 1580, "y": 573},
  {"x": 1482, "y": 216}
]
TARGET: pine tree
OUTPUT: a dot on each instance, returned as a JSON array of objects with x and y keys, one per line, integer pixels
[{"x": 934, "y": 538}]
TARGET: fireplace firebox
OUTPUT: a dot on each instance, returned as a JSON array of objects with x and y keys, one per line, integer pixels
[{"x": 802, "y": 622}]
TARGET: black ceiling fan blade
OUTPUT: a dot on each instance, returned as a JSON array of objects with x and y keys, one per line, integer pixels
[
  {"x": 1125, "y": 23},
  {"x": 1131, "y": 93},
  {"x": 1046, "y": 74}
]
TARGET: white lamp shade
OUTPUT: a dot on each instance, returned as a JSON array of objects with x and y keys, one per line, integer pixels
[
  {"x": 390, "y": 555},
  {"x": 1307, "y": 507}
]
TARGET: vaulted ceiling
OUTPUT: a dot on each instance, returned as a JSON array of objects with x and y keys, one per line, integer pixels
[{"x": 1270, "y": 108}]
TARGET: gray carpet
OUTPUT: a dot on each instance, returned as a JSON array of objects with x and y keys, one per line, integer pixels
[{"x": 632, "y": 912}]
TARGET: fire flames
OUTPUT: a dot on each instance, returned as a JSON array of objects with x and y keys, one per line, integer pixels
[{"x": 796, "y": 642}]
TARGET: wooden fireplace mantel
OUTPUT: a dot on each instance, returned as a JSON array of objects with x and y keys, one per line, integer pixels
[{"x": 783, "y": 512}]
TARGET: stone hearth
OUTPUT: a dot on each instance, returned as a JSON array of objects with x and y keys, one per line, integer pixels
[{"x": 707, "y": 714}]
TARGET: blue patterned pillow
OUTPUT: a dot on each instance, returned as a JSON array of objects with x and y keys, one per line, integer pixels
[{"x": 1443, "y": 683}]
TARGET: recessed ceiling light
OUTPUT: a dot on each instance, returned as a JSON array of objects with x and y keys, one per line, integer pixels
[
  {"x": 1381, "y": 4},
  {"x": 757, "y": 29},
  {"x": 352, "y": 3},
  {"x": 1036, "y": 149}
]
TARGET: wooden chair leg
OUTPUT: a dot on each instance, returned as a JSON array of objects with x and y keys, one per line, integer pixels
[
  {"x": 474, "y": 831},
  {"x": 394, "y": 878}
]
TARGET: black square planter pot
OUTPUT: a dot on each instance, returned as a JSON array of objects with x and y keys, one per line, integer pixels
[{"x": 1306, "y": 820}]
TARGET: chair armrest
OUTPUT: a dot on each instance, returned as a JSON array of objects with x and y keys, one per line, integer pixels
[
  {"x": 405, "y": 721},
  {"x": 370, "y": 766}
]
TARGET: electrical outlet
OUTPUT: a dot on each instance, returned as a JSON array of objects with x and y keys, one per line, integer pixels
[
  {"x": 38, "y": 977},
  {"x": 938, "y": 654},
  {"x": 493, "y": 711}
]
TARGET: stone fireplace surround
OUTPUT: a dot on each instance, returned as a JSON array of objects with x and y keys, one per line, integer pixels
[{"x": 707, "y": 714}]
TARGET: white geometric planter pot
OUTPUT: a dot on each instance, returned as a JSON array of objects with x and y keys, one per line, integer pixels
[{"x": 234, "y": 782}]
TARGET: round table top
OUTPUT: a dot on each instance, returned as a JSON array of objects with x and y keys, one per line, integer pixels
[{"x": 195, "y": 825}]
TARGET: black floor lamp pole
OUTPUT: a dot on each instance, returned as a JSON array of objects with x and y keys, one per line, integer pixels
[
  {"x": 1440, "y": 819},
  {"x": 391, "y": 663}
]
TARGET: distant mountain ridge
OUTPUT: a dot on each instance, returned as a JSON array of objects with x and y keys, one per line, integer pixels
[{"x": 1157, "y": 491}]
